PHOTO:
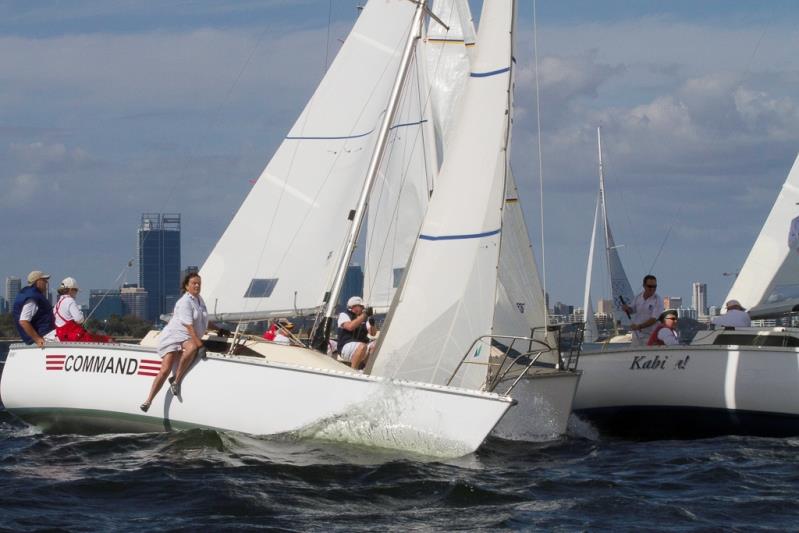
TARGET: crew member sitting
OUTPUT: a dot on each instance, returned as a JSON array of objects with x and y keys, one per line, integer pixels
[
  {"x": 735, "y": 317},
  {"x": 283, "y": 332},
  {"x": 354, "y": 331},
  {"x": 665, "y": 333},
  {"x": 69, "y": 318},
  {"x": 33, "y": 314}
]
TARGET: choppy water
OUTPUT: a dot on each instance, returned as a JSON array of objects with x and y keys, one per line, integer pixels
[{"x": 189, "y": 480}]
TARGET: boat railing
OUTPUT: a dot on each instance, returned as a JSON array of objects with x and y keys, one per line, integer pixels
[
  {"x": 571, "y": 346},
  {"x": 507, "y": 353}
]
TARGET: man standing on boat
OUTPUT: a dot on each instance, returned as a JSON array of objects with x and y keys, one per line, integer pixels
[
  {"x": 644, "y": 311},
  {"x": 33, "y": 313}
]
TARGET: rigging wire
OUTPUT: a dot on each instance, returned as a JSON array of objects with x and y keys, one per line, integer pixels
[{"x": 540, "y": 162}]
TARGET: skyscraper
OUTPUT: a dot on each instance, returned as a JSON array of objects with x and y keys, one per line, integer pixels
[
  {"x": 105, "y": 302},
  {"x": 13, "y": 286},
  {"x": 699, "y": 297},
  {"x": 134, "y": 300},
  {"x": 159, "y": 261}
]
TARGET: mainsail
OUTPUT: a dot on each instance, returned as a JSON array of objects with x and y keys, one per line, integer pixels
[
  {"x": 449, "y": 291},
  {"x": 296, "y": 218},
  {"x": 769, "y": 279}
]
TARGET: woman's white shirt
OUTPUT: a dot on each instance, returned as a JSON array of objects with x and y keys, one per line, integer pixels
[
  {"x": 67, "y": 309},
  {"x": 188, "y": 311}
]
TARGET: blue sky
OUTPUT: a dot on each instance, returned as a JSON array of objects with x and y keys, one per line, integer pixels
[{"x": 113, "y": 108}]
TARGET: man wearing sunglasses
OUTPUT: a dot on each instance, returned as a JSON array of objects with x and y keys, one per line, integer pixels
[{"x": 644, "y": 311}]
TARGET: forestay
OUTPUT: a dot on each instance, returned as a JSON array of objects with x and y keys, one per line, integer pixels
[
  {"x": 770, "y": 275},
  {"x": 279, "y": 253},
  {"x": 449, "y": 292}
]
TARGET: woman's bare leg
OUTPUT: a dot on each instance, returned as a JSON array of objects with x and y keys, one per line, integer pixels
[
  {"x": 158, "y": 381},
  {"x": 186, "y": 359}
]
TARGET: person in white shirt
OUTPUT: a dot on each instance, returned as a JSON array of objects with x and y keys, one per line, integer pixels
[
  {"x": 69, "y": 318},
  {"x": 665, "y": 333},
  {"x": 283, "y": 332},
  {"x": 180, "y": 340},
  {"x": 645, "y": 310},
  {"x": 735, "y": 317}
]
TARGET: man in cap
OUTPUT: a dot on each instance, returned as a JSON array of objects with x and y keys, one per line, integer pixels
[
  {"x": 353, "y": 332},
  {"x": 735, "y": 317},
  {"x": 283, "y": 332},
  {"x": 33, "y": 314},
  {"x": 665, "y": 333}
]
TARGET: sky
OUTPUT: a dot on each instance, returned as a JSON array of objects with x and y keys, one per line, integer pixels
[{"x": 113, "y": 108}]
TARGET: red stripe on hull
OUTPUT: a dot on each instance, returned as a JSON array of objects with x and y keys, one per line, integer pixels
[{"x": 153, "y": 374}]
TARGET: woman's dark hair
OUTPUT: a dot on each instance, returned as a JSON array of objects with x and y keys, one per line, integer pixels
[
  {"x": 62, "y": 291},
  {"x": 185, "y": 283}
]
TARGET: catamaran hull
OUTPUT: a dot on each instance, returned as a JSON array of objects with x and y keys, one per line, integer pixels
[
  {"x": 100, "y": 387},
  {"x": 544, "y": 403},
  {"x": 691, "y": 391}
]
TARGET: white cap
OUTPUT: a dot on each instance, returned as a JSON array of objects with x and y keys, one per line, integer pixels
[
  {"x": 36, "y": 275},
  {"x": 353, "y": 301},
  {"x": 69, "y": 283}
]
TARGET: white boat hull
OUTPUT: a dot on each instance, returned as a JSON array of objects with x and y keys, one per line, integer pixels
[
  {"x": 691, "y": 390},
  {"x": 544, "y": 404},
  {"x": 100, "y": 387}
]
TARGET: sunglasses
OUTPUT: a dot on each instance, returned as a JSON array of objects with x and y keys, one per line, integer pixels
[
  {"x": 671, "y": 318},
  {"x": 651, "y": 286}
]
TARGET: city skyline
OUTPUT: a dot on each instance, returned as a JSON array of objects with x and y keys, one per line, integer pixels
[{"x": 110, "y": 110}]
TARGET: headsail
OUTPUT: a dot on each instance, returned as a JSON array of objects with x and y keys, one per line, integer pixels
[
  {"x": 293, "y": 223},
  {"x": 769, "y": 279},
  {"x": 449, "y": 291},
  {"x": 621, "y": 291},
  {"x": 521, "y": 304},
  {"x": 591, "y": 332}
]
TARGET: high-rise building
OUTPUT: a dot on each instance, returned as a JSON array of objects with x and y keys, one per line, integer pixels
[
  {"x": 105, "y": 302},
  {"x": 134, "y": 300},
  {"x": 699, "y": 297},
  {"x": 159, "y": 261},
  {"x": 13, "y": 286},
  {"x": 3, "y": 305},
  {"x": 188, "y": 270},
  {"x": 672, "y": 302},
  {"x": 604, "y": 307}
]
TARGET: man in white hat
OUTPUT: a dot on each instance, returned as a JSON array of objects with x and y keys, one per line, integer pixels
[
  {"x": 33, "y": 314},
  {"x": 735, "y": 317},
  {"x": 353, "y": 332}
]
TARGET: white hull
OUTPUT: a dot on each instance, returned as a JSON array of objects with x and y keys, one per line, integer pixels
[
  {"x": 692, "y": 390},
  {"x": 58, "y": 387},
  {"x": 544, "y": 403}
]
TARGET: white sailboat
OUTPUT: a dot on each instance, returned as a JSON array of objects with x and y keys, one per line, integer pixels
[
  {"x": 430, "y": 334},
  {"x": 287, "y": 249},
  {"x": 727, "y": 381},
  {"x": 286, "y": 252}
]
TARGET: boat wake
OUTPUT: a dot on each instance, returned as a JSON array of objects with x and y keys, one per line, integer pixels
[{"x": 374, "y": 424}]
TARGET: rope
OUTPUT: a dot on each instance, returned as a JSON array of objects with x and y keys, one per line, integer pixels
[{"x": 540, "y": 163}]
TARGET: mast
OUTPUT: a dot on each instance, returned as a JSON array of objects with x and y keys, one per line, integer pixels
[{"x": 322, "y": 333}]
